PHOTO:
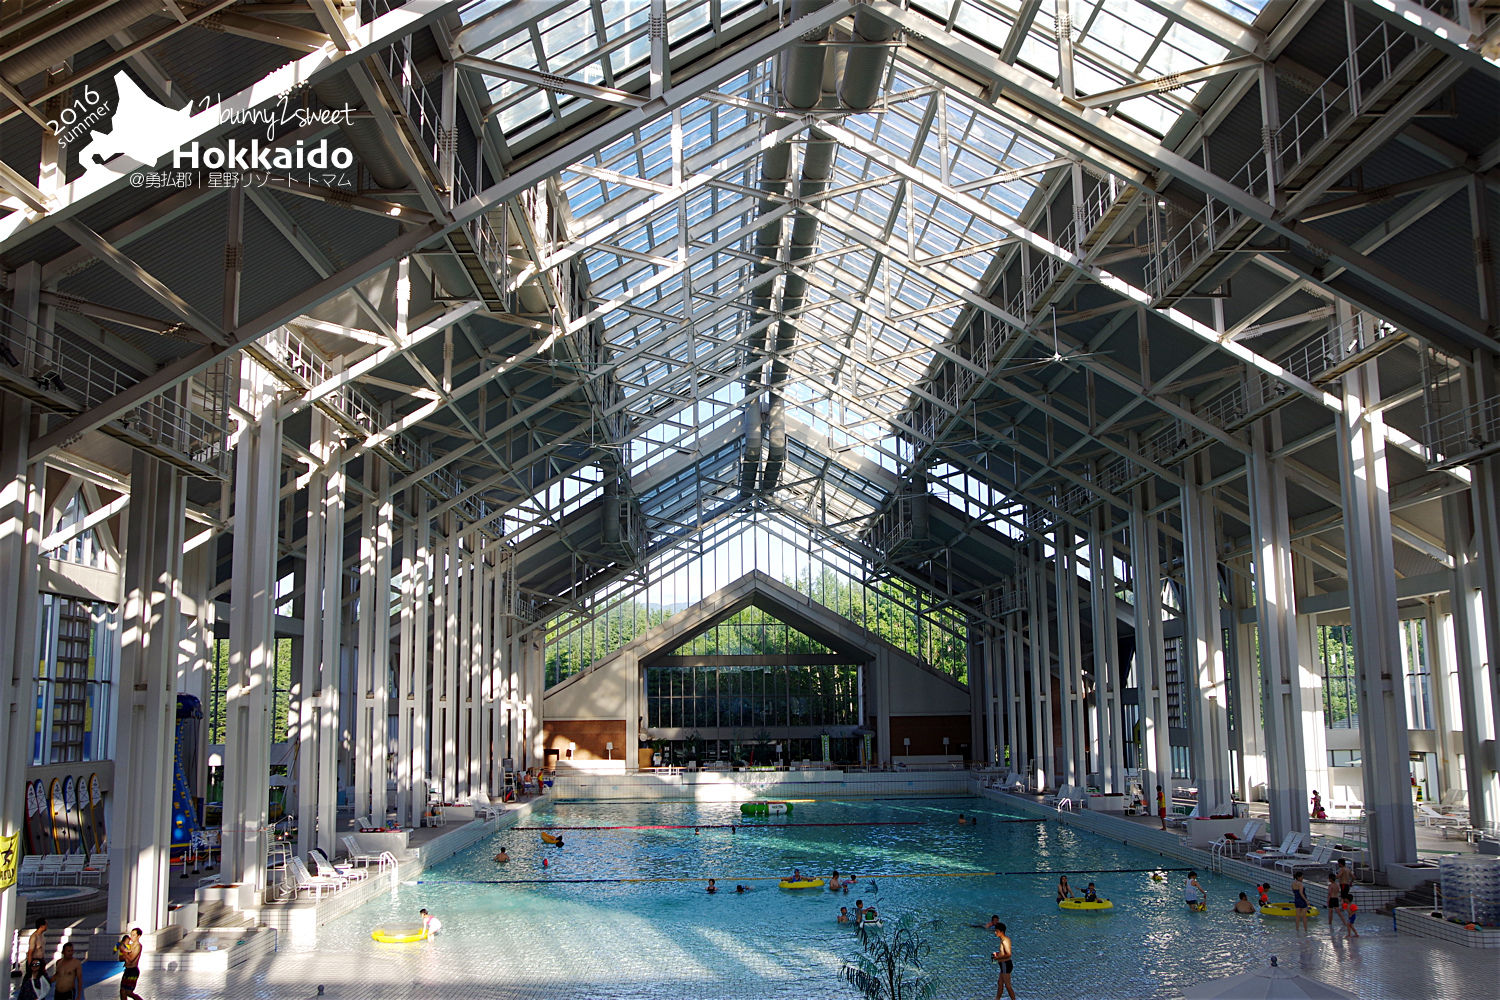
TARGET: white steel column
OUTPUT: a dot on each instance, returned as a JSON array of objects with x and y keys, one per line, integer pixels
[
  {"x": 252, "y": 636},
  {"x": 1150, "y": 666},
  {"x": 1281, "y": 666},
  {"x": 150, "y": 631},
  {"x": 372, "y": 727},
  {"x": 1015, "y": 696},
  {"x": 421, "y": 704},
  {"x": 322, "y": 635},
  {"x": 20, "y": 532},
  {"x": 1383, "y": 736},
  {"x": 1475, "y": 666},
  {"x": 406, "y": 634},
  {"x": 536, "y": 688},
  {"x": 1074, "y": 765},
  {"x": 1106, "y": 655},
  {"x": 1042, "y": 772},
  {"x": 994, "y": 657},
  {"x": 1204, "y": 642}
]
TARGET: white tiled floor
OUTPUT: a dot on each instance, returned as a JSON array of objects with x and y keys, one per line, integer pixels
[{"x": 1379, "y": 966}]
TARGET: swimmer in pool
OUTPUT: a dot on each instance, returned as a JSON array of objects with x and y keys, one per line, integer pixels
[
  {"x": 1090, "y": 894},
  {"x": 712, "y": 887},
  {"x": 843, "y": 915},
  {"x": 834, "y": 885},
  {"x": 1243, "y": 905},
  {"x": 502, "y": 857},
  {"x": 742, "y": 888}
]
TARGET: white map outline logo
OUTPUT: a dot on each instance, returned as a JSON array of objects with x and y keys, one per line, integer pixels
[{"x": 137, "y": 126}]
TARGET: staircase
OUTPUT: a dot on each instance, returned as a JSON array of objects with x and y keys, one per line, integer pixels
[{"x": 1423, "y": 896}]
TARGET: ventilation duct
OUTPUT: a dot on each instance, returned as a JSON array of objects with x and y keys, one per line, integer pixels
[
  {"x": 750, "y": 457},
  {"x": 54, "y": 48},
  {"x": 775, "y": 445},
  {"x": 865, "y": 68},
  {"x": 609, "y": 529}
]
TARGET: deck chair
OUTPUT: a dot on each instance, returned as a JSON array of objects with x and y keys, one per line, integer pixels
[
  {"x": 483, "y": 807},
  {"x": 1430, "y": 817},
  {"x": 304, "y": 881},
  {"x": 364, "y": 858},
  {"x": 319, "y": 864},
  {"x": 1226, "y": 845},
  {"x": 1287, "y": 849},
  {"x": 1319, "y": 857}
]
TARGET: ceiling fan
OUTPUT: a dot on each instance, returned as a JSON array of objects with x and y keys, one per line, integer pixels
[{"x": 1058, "y": 357}]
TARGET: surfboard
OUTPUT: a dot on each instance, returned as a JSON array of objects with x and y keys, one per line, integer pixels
[
  {"x": 69, "y": 817},
  {"x": 33, "y": 818},
  {"x": 96, "y": 812},
  {"x": 81, "y": 814},
  {"x": 54, "y": 814}
]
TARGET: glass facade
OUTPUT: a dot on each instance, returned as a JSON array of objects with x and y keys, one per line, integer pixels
[
  {"x": 752, "y": 698},
  {"x": 75, "y": 681}
]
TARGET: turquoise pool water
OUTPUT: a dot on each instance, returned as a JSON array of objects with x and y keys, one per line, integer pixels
[{"x": 571, "y": 930}]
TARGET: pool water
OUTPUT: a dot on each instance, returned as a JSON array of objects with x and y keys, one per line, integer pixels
[{"x": 577, "y": 928}]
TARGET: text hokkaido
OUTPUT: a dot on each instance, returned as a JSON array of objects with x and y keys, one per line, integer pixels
[{"x": 257, "y": 156}]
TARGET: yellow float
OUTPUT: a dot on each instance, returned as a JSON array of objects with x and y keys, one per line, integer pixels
[
  {"x": 400, "y": 935},
  {"x": 550, "y": 838},
  {"x": 1285, "y": 911},
  {"x": 807, "y": 883},
  {"x": 1084, "y": 905}
]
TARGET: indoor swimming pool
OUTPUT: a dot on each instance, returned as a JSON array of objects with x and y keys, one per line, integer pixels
[{"x": 621, "y": 909}]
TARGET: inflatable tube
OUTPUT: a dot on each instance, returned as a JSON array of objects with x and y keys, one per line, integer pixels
[
  {"x": 1285, "y": 911},
  {"x": 399, "y": 935},
  {"x": 807, "y": 883},
  {"x": 1085, "y": 905},
  {"x": 765, "y": 808},
  {"x": 550, "y": 838}
]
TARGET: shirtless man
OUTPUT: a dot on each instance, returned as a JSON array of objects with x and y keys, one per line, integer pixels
[
  {"x": 67, "y": 977},
  {"x": 1005, "y": 957},
  {"x": 130, "y": 953},
  {"x": 1243, "y": 904},
  {"x": 37, "y": 943}
]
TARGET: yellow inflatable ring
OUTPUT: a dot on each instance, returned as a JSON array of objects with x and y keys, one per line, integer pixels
[
  {"x": 1285, "y": 910},
  {"x": 1083, "y": 904},
  {"x": 550, "y": 838},
  {"x": 807, "y": 883},
  {"x": 404, "y": 935}
]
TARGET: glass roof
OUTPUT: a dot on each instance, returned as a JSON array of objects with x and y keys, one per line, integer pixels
[{"x": 665, "y": 220}]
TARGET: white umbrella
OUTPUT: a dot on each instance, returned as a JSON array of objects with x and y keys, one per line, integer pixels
[{"x": 1270, "y": 983}]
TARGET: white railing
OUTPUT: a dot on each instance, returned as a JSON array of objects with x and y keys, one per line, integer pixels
[
  {"x": 1467, "y": 432},
  {"x": 67, "y": 377},
  {"x": 1377, "y": 59}
]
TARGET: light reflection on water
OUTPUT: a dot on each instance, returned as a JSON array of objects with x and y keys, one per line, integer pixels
[{"x": 550, "y": 932}]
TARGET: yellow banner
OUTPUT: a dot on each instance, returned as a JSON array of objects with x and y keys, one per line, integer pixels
[{"x": 10, "y": 859}]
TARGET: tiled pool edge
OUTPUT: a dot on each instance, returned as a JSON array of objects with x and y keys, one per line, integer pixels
[
  {"x": 736, "y": 786},
  {"x": 299, "y": 923}
]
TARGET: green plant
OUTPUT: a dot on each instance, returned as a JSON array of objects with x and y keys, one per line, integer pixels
[{"x": 889, "y": 966}]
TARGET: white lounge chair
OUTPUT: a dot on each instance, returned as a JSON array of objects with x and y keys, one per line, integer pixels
[
  {"x": 1288, "y": 849},
  {"x": 1239, "y": 843},
  {"x": 305, "y": 881},
  {"x": 320, "y": 865},
  {"x": 364, "y": 858},
  {"x": 483, "y": 807},
  {"x": 1321, "y": 856},
  {"x": 1430, "y": 817}
]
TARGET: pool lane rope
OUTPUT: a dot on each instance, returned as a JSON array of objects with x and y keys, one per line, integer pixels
[
  {"x": 753, "y": 825},
  {"x": 776, "y": 878}
]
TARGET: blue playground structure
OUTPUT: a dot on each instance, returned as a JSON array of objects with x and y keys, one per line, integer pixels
[{"x": 184, "y": 807}]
